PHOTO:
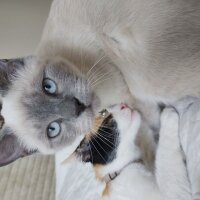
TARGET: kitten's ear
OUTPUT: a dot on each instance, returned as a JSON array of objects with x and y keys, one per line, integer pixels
[{"x": 11, "y": 150}]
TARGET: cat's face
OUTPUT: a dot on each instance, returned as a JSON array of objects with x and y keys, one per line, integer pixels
[
  {"x": 48, "y": 104},
  {"x": 113, "y": 145}
]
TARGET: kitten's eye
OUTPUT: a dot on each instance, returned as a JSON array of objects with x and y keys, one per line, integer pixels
[
  {"x": 53, "y": 129},
  {"x": 104, "y": 113},
  {"x": 49, "y": 86}
]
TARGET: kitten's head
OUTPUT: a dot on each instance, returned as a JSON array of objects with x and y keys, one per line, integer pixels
[
  {"x": 46, "y": 104},
  {"x": 115, "y": 142}
]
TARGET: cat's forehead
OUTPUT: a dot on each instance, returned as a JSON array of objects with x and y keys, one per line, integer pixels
[
  {"x": 59, "y": 69},
  {"x": 58, "y": 66}
]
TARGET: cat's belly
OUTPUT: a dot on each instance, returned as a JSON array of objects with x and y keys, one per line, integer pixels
[
  {"x": 157, "y": 51},
  {"x": 157, "y": 82},
  {"x": 140, "y": 84}
]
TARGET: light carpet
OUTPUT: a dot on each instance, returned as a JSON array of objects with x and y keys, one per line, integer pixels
[{"x": 30, "y": 178}]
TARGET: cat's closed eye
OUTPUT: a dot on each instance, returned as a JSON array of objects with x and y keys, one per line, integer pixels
[{"x": 49, "y": 86}]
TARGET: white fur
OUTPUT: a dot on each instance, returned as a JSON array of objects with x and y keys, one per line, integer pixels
[
  {"x": 150, "y": 42},
  {"x": 171, "y": 173},
  {"x": 81, "y": 184},
  {"x": 190, "y": 140},
  {"x": 129, "y": 123},
  {"x": 136, "y": 182}
]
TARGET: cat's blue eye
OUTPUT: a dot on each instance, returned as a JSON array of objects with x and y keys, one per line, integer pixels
[
  {"x": 53, "y": 129},
  {"x": 49, "y": 86}
]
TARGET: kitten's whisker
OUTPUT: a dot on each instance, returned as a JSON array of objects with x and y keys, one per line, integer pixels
[
  {"x": 106, "y": 127},
  {"x": 102, "y": 141},
  {"x": 98, "y": 151},
  {"x": 103, "y": 138},
  {"x": 112, "y": 147},
  {"x": 107, "y": 135}
]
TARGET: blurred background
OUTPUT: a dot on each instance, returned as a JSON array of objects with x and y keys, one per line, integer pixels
[{"x": 21, "y": 25}]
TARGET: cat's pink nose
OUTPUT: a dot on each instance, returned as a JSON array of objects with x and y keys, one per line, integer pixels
[{"x": 124, "y": 105}]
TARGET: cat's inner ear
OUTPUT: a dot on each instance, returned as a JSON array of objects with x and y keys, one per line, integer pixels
[
  {"x": 8, "y": 70},
  {"x": 11, "y": 149},
  {"x": 10, "y": 66}
]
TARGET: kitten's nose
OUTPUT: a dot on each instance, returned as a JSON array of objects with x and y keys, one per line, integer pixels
[
  {"x": 80, "y": 107},
  {"x": 123, "y": 106}
]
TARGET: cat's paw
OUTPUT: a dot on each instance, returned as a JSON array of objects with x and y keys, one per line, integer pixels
[
  {"x": 183, "y": 104},
  {"x": 169, "y": 116},
  {"x": 169, "y": 136},
  {"x": 169, "y": 123}
]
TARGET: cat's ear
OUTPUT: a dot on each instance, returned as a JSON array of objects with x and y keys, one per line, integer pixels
[
  {"x": 8, "y": 69},
  {"x": 10, "y": 66},
  {"x": 11, "y": 149}
]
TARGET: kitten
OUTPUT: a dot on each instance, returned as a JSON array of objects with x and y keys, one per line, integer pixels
[{"x": 120, "y": 154}]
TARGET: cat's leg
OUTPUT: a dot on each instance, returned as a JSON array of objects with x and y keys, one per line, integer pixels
[
  {"x": 189, "y": 109},
  {"x": 171, "y": 172}
]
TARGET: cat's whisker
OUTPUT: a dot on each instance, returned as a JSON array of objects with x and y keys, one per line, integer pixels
[
  {"x": 99, "y": 77},
  {"x": 100, "y": 81},
  {"x": 92, "y": 79},
  {"x": 96, "y": 72},
  {"x": 94, "y": 85},
  {"x": 95, "y": 64}
]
